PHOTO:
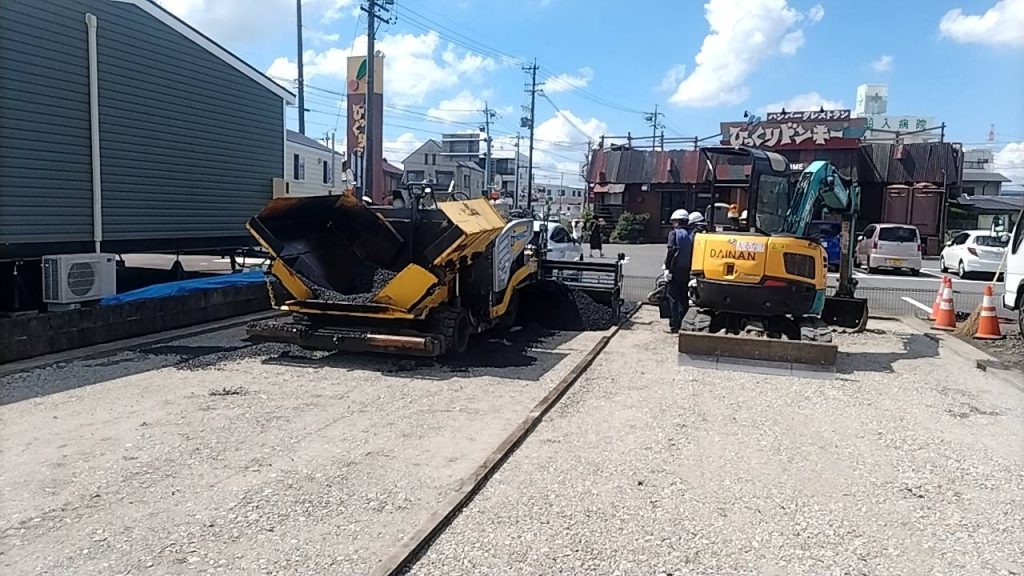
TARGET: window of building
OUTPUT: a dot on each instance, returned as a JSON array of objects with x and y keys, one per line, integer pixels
[
  {"x": 444, "y": 179},
  {"x": 561, "y": 192},
  {"x": 672, "y": 200},
  {"x": 327, "y": 172},
  {"x": 433, "y": 159},
  {"x": 414, "y": 176},
  {"x": 298, "y": 167},
  {"x": 465, "y": 182}
]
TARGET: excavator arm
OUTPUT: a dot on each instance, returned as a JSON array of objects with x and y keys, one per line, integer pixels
[{"x": 822, "y": 185}]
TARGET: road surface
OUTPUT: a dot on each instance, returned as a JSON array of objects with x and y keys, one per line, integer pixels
[{"x": 887, "y": 293}]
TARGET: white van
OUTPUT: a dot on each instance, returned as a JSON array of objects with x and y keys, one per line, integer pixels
[
  {"x": 1013, "y": 293},
  {"x": 892, "y": 246}
]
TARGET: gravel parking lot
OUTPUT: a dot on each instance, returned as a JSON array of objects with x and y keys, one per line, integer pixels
[
  {"x": 910, "y": 462},
  {"x": 207, "y": 455}
]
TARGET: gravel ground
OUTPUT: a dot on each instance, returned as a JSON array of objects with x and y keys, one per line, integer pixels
[
  {"x": 208, "y": 455},
  {"x": 909, "y": 462}
]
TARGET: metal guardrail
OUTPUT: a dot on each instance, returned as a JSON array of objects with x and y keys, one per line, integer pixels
[{"x": 881, "y": 301}]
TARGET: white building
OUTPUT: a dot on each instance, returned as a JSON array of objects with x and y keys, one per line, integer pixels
[
  {"x": 873, "y": 105},
  {"x": 311, "y": 167},
  {"x": 563, "y": 200}
]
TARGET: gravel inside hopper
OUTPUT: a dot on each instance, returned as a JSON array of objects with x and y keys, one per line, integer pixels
[{"x": 368, "y": 282}]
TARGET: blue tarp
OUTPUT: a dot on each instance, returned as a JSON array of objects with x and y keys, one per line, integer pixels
[{"x": 185, "y": 287}]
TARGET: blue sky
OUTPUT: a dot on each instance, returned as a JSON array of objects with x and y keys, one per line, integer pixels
[{"x": 960, "y": 61}]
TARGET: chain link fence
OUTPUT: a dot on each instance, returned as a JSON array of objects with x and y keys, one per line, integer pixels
[{"x": 881, "y": 301}]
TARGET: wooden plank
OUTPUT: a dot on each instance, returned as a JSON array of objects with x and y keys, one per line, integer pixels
[
  {"x": 411, "y": 547},
  {"x": 763, "y": 349}
]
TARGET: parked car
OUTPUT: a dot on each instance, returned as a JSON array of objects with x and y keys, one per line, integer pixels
[
  {"x": 974, "y": 251},
  {"x": 889, "y": 246},
  {"x": 1013, "y": 280},
  {"x": 561, "y": 245},
  {"x": 829, "y": 233}
]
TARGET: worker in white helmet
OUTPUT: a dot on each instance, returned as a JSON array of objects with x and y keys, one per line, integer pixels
[
  {"x": 677, "y": 264},
  {"x": 696, "y": 223}
]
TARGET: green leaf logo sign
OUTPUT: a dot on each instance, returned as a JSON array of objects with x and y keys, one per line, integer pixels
[{"x": 361, "y": 72}]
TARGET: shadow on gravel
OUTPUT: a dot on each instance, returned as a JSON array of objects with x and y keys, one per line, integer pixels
[
  {"x": 915, "y": 346},
  {"x": 525, "y": 353},
  {"x": 79, "y": 373}
]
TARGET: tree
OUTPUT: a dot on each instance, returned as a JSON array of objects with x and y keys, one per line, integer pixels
[{"x": 630, "y": 228}]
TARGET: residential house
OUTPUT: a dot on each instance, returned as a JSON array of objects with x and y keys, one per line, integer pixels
[
  {"x": 979, "y": 177},
  {"x": 430, "y": 163},
  {"x": 312, "y": 167},
  {"x": 393, "y": 176},
  {"x": 170, "y": 143}
]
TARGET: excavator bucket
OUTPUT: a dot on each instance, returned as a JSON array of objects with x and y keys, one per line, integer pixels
[{"x": 846, "y": 312}]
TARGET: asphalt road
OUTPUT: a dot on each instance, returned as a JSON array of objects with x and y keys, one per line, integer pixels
[{"x": 888, "y": 292}]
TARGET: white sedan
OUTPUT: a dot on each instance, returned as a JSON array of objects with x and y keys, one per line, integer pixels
[{"x": 974, "y": 251}]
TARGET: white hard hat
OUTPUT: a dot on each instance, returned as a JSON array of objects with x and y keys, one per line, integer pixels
[
  {"x": 680, "y": 214},
  {"x": 696, "y": 217}
]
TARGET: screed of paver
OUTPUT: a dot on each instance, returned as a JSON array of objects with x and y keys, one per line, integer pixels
[
  {"x": 909, "y": 462},
  {"x": 210, "y": 455}
]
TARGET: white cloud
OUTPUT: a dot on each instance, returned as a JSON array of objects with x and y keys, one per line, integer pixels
[
  {"x": 673, "y": 77},
  {"x": 397, "y": 150},
  {"x": 461, "y": 107},
  {"x": 1010, "y": 163},
  {"x": 411, "y": 66},
  {"x": 816, "y": 13},
  {"x": 1003, "y": 23},
  {"x": 242, "y": 23},
  {"x": 883, "y": 64},
  {"x": 561, "y": 148},
  {"x": 802, "y": 102},
  {"x": 284, "y": 72},
  {"x": 743, "y": 36},
  {"x": 564, "y": 82},
  {"x": 792, "y": 42}
]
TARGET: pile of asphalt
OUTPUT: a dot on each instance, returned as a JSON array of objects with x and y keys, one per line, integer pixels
[
  {"x": 368, "y": 282},
  {"x": 556, "y": 307}
]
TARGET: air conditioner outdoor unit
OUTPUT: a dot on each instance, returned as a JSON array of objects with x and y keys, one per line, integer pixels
[{"x": 70, "y": 278}]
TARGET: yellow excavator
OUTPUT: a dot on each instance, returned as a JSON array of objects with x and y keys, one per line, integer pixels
[{"x": 765, "y": 277}]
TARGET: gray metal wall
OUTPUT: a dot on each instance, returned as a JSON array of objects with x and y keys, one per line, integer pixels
[{"x": 189, "y": 144}]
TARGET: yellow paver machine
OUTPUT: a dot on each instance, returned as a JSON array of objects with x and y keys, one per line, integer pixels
[{"x": 414, "y": 280}]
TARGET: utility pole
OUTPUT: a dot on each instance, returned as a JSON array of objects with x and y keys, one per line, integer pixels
[
  {"x": 515, "y": 190},
  {"x": 300, "y": 81},
  {"x": 652, "y": 120},
  {"x": 488, "y": 115},
  {"x": 375, "y": 10},
  {"x": 527, "y": 122},
  {"x": 334, "y": 174}
]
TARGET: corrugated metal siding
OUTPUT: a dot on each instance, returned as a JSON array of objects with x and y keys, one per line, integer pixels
[
  {"x": 190, "y": 145},
  {"x": 45, "y": 187}
]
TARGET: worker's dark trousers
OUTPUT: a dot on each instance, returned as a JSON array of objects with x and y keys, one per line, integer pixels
[{"x": 679, "y": 299}]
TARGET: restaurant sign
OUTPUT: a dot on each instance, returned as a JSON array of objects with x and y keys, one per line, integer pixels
[
  {"x": 809, "y": 116},
  {"x": 790, "y": 135}
]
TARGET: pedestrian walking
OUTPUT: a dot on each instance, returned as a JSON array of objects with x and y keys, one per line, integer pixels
[
  {"x": 577, "y": 230},
  {"x": 678, "y": 259},
  {"x": 596, "y": 238}
]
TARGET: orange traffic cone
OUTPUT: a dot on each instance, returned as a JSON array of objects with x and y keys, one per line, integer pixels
[
  {"x": 938, "y": 298},
  {"x": 945, "y": 317},
  {"x": 988, "y": 324}
]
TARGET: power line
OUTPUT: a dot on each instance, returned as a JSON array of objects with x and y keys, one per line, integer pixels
[{"x": 564, "y": 116}]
